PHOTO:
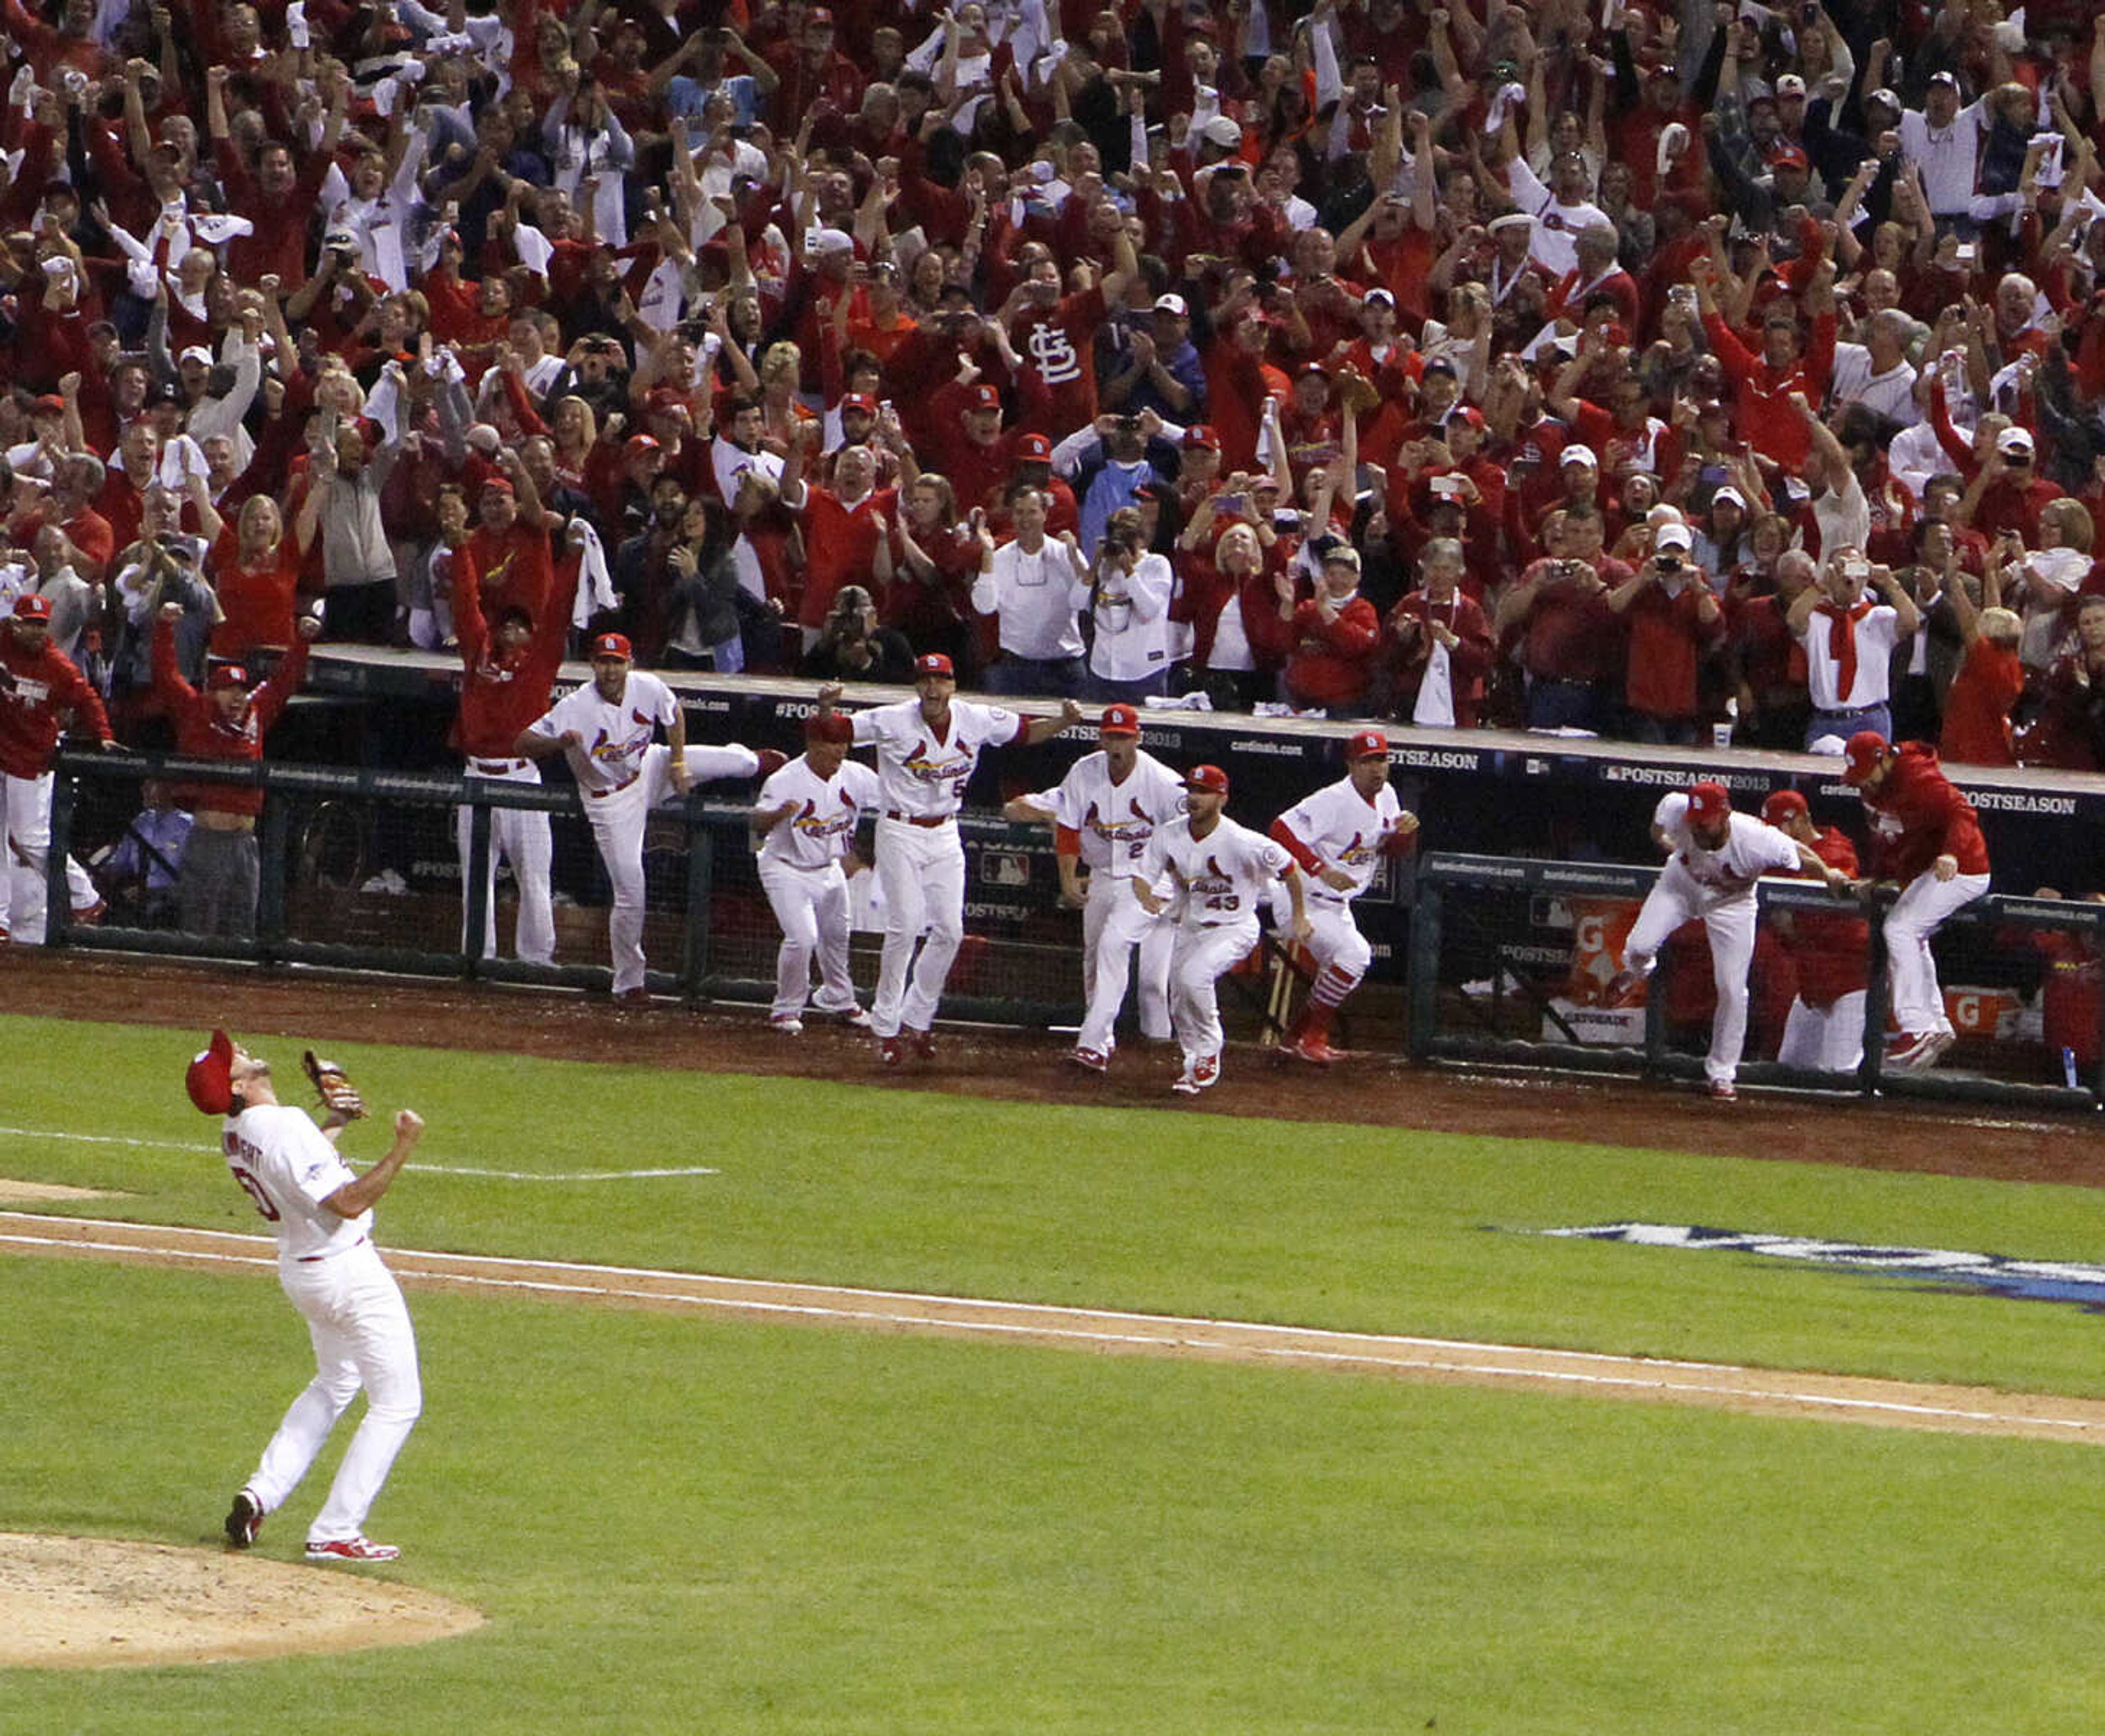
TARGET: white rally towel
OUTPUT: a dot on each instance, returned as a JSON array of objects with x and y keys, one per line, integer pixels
[{"x": 595, "y": 584}]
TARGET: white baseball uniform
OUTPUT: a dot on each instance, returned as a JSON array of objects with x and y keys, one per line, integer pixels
[
  {"x": 1111, "y": 823},
  {"x": 1217, "y": 883},
  {"x": 1340, "y": 828},
  {"x": 800, "y": 870},
  {"x": 327, "y": 1264},
  {"x": 922, "y": 776},
  {"x": 1718, "y": 886},
  {"x": 622, "y": 776}
]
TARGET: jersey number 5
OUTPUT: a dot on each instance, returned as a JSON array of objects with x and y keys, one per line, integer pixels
[{"x": 254, "y": 1189}]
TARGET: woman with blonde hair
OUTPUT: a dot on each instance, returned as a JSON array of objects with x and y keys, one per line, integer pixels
[{"x": 781, "y": 370}]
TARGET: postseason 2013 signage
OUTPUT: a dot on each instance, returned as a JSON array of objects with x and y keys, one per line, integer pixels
[{"x": 1996, "y": 1274}]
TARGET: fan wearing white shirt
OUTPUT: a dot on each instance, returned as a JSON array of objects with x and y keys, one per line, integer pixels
[
  {"x": 1034, "y": 586},
  {"x": 1128, "y": 607}
]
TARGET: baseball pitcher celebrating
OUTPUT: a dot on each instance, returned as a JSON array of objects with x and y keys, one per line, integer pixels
[
  {"x": 804, "y": 820},
  {"x": 927, "y": 747},
  {"x": 607, "y": 729},
  {"x": 1714, "y": 857},
  {"x": 1103, "y": 813},
  {"x": 1214, "y": 874},
  {"x": 1338, "y": 836},
  {"x": 1929, "y": 840},
  {"x": 322, "y": 1214}
]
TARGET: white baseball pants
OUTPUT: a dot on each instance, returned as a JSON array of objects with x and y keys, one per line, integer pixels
[
  {"x": 922, "y": 869},
  {"x": 521, "y": 837},
  {"x": 1825, "y": 1039},
  {"x": 1917, "y": 914},
  {"x": 1121, "y": 923},
  {"x": 1729, "y": 924},
  {"x": 25, "y": 844},
  {"x": 363, "y": 1340},
  {"x": 618, "y": 817},
  {"x": 812, "y": 905},
  {"x": 1201, "y": 957},
  {"x": 1334, "y": 940}
]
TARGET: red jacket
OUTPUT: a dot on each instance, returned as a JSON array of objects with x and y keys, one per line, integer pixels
[
  {"x": 1917, "y": 815},
  {"x": 1331, "y": 660},
  {"x": 41, "y": 692},
  {"x": 1762, "y": 393},
  {"x": 502, "y": 692},
  {"x": 204, "y": 734},
  {"x": 1831, "y": 950}
]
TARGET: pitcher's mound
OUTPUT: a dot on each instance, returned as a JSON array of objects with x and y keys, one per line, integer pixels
[{"x": 91, "y": 1604}]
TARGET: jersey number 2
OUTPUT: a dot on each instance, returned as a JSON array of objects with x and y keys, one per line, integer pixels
[{"x": 254, "y": 1189}]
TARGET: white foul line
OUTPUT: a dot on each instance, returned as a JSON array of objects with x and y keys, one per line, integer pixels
[
  {"x": 1393, "y": 1354},
  {"x": 421, "y": 1169}
]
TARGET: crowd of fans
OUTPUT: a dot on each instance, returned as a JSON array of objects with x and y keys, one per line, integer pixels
[{"x": 1618, "y": 367}]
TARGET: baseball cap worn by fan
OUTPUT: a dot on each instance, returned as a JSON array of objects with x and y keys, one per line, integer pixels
[
  {"x": 1119, "y": 720},
  {"x": 210, "y": 1080},
  {"x": 1223, "y": 133},
  {"x": 1674, "y": 537},
  {"x": 33, "y": 608},
  {"x": 1780, "y": 806},
  {"x": 1708, "y": 802},
  {"x": 2014, "y": 443},
  {"x": 1033, "y": 448},
  {"x": 1862, "y": 755},
  {"x": 1208, "y": 778},
  {"x": 224, "y": 675}
]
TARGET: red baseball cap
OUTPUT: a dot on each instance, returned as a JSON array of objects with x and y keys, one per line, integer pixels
[
  {"x": 1033, "y": 448},
  {"x": 1202, "y": 434},
  {"x": 210, "y": 1080},
  {"x": 1865, "y": 751},
  {"x": 498, "y": 485},
  {"x": 934, "y": 662},
  {"x": 1789, "y": 156},
  {"x": 1208, "y": 778},
  {"x": 1119, "y": 720},
  {"x": 30, "y": 607},
  {"x": 984, "y": 398},
  {"x": 1780, "y": 806},
  {"x": 1708, "y": 800},
  {"x": 225, "y": 674},
  {"x": 48, "y": 406},
  {"x": 829, "y": 726},
  {"x": 1368, "y": 744},
  {"x": 640, "y": 444},
  {"x": 612, "y": 644},
  {"x": 859, "y": 401}
]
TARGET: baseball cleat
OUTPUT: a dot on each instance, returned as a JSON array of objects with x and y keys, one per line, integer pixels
[
  {"x": 1724, "y": 1090},
  {"x": 923, "y": 1043},
  {"x": 352, "y": 1549},
  {"x": 1313, "y": 1049},
  {"x": 1095, "y": 1060},
  {"x": 1902, "y": 1049},
  {"x": 1186, "y": 1086},
  {"x": 855, "y": 1018},
  {"x": 635, "y": 998},
  {"x": 890, "y": 1051},
  {"x": 1925, "y": 1054},
  {"x": 243, "y": 1520},
  {"x": 1206, "y": 1070},
  {"x": 786, "y": 1024},
  {"x": 1623, "y": 988}
]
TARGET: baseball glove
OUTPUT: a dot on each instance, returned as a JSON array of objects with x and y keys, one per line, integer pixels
[{"x": 339, "y": 1096}]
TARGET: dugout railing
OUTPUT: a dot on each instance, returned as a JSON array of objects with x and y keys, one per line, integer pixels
[
  {"x": 1492, "y": 959},
  {"x": 1507, "y": 956},
  {"x": 360, "y": 869}
]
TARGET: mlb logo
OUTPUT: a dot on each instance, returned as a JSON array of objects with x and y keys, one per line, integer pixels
[{"x": 1005, "y": 868}]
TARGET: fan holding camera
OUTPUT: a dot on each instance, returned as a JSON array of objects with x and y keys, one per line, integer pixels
[
  {"x": 1848, "y": 642},
  {"x": 1672, "y": 623}
]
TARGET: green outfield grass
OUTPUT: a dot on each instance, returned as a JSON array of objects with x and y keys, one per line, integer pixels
[{"x": 681, "y": 1525}]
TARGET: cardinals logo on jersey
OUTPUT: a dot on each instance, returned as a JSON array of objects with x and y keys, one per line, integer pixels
[
  {"x": 1357, "y": 854},
  {"x": 923, "y": 767}
]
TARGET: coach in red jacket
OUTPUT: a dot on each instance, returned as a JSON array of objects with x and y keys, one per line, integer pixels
[
  {"x": 41, "y": 692},
  {"x": 218, "y": 879},
  {"x": 1926, "y": 838}
]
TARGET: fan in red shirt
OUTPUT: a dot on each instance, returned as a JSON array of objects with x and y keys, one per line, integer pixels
[
  {"x": 1929, "y": 840},
  {"x": 1055, "y": 339},
  {"x": 1762, "y": 385},
  {"x": 507, "y": 561},
  {"x": 255, "y": 568},
  {"x": 1335, "y": 635},
  {"x": 1989, "y": 680},
  {"x": 1672, "y": 621},
  {"x": 845, "y": 529}
]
